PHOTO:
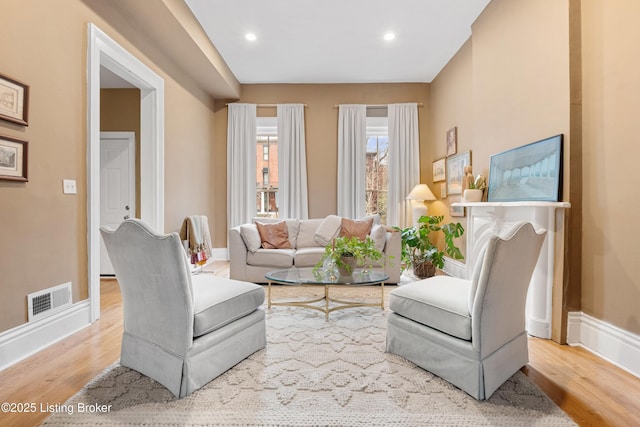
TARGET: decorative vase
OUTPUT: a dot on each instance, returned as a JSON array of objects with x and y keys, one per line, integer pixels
[
  {"x": 351, "y": 262},
  {"x": 424, "y": 269},
  {"x": 472, "y": 195}
]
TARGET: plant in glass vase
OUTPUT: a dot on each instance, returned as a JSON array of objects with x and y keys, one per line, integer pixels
[
  {"x": 346, "y": 253},
  {"x": 421, "y": 253}
]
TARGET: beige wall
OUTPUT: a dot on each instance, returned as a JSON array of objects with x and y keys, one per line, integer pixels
[
  {"x": 321, "y": 127},
  {"x": 611, "y": 111},
  {"x": 43, "y": 232}
]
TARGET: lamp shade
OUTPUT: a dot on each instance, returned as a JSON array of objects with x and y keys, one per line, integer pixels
[{"x": 421, "y": 192}]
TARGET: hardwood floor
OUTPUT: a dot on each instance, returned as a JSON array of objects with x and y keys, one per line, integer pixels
[{"x": 591, "y": 390}]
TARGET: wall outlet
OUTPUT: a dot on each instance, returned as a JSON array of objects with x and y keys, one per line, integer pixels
[{"x": 69, "y": 186}]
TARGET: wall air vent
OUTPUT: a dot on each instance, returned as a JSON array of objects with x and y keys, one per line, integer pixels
[{"x": 49, "y": 301}]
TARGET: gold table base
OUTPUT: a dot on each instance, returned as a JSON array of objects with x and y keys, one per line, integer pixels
[{"x": 326, "y": 298}]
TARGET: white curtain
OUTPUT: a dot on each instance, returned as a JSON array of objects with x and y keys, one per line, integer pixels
[
  {"x": 292, "y": 162},
  {"x": 404, "y": 161},
  {"x": 241, "y": 164},
  {"x": 352, "y": 145}
]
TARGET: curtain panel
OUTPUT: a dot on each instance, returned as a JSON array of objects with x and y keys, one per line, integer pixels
[
  {"x": 352, "y": 145},
  {"x": 241, "y": 164},
  {"x": 404, "y": 161},
  {"x": 292, "y": 162}
]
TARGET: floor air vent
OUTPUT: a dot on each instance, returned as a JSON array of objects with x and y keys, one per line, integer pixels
[{"x": 49, "y": 301}]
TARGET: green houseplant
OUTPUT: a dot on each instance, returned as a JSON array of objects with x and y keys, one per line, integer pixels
[
  {"x": 421, "y": 253},
  {"x": 345, "y": 253}
]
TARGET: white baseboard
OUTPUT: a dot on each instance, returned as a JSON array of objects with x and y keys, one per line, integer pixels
[
  {"x": 25, "y": 340},
  {"x": 620, "y": 347},
  {"x": 220, "y": 254}
]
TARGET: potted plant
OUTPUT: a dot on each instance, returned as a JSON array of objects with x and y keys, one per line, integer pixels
[
  {"x": 345, "y": 253},
  {"x": 419, "y": 251},
  {"x": 476, "y": 189}
]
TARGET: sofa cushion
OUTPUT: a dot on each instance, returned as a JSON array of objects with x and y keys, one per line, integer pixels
[
  {"x": 292, "y": 226},
  {"x": 379, "y": 236},
  {"x": 308, "y": 257},
  {"x": 219, "y": 301},
  {"x": 439, "y": 302},
  {"x": 328, "y": 230},
  {"x": 250, "y": 237},
  {"x": 307, "y": 233},
  {"x": 274, "y": 236},
  {"x": 277, "y": 258},
  {"x": 352, "y": 228}
]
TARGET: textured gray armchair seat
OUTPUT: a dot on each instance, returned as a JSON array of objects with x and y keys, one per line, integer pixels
[
  {"x": 180, "y": 329},
  {"x": 470, "y": 332}
]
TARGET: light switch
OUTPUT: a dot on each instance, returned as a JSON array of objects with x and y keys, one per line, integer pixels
[{"x": 69, "y": 186}]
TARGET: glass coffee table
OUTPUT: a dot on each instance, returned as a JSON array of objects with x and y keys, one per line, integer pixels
[{"x": 313, "y": 277}]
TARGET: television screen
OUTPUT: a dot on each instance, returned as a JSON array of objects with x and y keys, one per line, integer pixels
[{"x": 532, "y": 172}]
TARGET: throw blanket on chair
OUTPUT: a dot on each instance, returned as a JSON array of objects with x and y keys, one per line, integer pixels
[{"x": 195, "y": 230}]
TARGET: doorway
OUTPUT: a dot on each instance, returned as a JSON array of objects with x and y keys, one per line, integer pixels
[{"x": 104, "y": 52}]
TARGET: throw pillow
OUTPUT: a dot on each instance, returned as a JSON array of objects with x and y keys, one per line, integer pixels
[
  {"x": 251, "y": 237},
  {"x": 274, "y": 236},
  {"x": 379, "y": 236},
  {"x": 359, "y": 229},
  {"x": 328, "y": 230}
]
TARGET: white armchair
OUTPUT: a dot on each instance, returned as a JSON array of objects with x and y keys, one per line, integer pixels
[
  {"x": 470, "y": 332},
  {"x": 181, "y": 330}
]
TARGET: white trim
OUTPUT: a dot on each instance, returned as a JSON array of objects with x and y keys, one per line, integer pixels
[
  {"x": 103, "y": 51},
  {"x": 25, "y": 340},
  {"x": 220, "y": 254},
  {"x": 620, "y": 347}
]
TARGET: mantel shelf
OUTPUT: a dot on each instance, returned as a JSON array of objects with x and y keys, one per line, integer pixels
[{"x": 560, "y": 205}]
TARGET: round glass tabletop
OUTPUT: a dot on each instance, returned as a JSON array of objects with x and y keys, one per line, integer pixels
[{"x": 312, "y": 276}]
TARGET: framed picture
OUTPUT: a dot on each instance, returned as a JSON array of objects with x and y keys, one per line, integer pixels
[
  {"x": 439, "y": 170},
  {"x": 13, "y": 159},
  {"x": 530, "y": 172},
  {"x": 452, "y": 141},
  {"x": 456, "y": 210},
  {"x": 455, "y": 171},
  {"x": 443, "y": 190},
  {"x": 14, "y": 101}
]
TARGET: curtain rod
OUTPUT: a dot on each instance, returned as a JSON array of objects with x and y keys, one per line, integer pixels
[
  {"x": 379, "y": 105},
  {"x": 270, "y": 105}
]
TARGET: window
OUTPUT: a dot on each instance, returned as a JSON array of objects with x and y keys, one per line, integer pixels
[
  {"x": 267, "y": 167},
  {"x": 377, "y": 166}
]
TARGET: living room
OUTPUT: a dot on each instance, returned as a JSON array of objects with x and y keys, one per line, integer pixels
[{"x": 531, "y": 69}]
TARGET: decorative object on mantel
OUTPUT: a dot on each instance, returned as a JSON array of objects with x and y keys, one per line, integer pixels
[
  {"x": 452, "y": 141},
  {"x": 476, "y": 189},
  {"x": 418, "y": 250},
  {"x": 15, "y": 101},
  {"x": 531, "y": 172},
  {"x": 13, "y": 159},
  {"x": 455, "y": 172},
  {"x": 418, "y": 195}
]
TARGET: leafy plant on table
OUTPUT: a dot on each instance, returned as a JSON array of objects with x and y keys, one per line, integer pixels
[{"x": 363, "y": 253}]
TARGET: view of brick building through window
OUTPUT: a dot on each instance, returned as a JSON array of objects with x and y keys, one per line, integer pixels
[
  {"x": 377, "y": 182},
  {"x": 266, "y": 175}
]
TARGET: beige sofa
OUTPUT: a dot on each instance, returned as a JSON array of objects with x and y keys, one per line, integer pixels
[{"x": 308, "y": 237}]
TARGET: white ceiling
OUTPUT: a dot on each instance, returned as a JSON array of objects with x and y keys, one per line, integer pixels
[{"x": 337, "y": 41}]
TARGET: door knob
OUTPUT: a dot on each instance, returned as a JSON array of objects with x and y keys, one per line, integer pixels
[{"x": 126, "y": 217}]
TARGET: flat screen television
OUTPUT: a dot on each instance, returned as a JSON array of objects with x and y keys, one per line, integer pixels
[{"x": 532, "y": 172}]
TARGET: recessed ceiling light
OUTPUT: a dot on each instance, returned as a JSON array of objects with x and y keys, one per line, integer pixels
[
  {"x": 250, "y": 36},
  {"x": 389, "y": 36}
]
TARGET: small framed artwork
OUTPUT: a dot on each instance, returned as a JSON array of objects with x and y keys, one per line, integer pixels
[
  {"x": 452, "y": 141},
  {"x": 13, "y": 159},
  {"x": 530, "y": 172},
  {"x": 439, "y": 170},
  {"x": 14, "y": 101},
  {"x": 443, "y": 190},
  {"x": 457, "y": 211},
  {"x": 455, "y": 171}
]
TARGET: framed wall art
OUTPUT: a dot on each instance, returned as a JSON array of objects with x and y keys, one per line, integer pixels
[
  {"x": 13, "y": 159},
  {"x": 439, "y": 170},
  {"x": 14, "y": 101},
  {"x": 531, "y": 172},
  {"x": 452, "y": 141},
  {"x": 455, "y": 171}
]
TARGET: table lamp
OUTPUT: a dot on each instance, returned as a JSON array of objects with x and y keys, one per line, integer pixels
[{"x": 418, "y": 195}]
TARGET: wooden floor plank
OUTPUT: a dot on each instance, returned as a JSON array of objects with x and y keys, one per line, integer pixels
[{"x": 591, "y": 390}]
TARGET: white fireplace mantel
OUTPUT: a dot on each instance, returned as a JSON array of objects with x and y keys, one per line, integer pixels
[{"x": 487, "y": 218}]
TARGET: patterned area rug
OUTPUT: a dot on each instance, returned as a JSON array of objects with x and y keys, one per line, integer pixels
[{"x": 312, "y": 372}]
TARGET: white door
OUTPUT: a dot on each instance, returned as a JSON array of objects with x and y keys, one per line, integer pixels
[{"x": 117, "y": 185}]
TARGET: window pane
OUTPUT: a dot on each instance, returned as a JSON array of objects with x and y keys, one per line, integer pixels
[
  {"x": 377, "y": 179},
  {"x": 267, "y": 173}
]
